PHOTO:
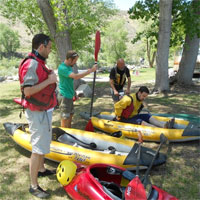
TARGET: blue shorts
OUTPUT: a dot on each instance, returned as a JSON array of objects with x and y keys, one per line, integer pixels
[{"x": 137, "y": 119}]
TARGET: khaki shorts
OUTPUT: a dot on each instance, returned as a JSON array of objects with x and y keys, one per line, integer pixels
[
  {"x": 40, "y": 129},
  {"x": 66, "y": 107}
]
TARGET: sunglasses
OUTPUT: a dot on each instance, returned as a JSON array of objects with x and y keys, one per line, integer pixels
[{"x": 74, "y": 55}]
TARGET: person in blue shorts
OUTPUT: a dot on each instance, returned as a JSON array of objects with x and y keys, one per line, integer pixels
[{"x": 136, "y": 99}]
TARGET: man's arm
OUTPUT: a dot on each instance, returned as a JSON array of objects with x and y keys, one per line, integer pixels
[
  {"x": 113, "y": 87},
  {"x": 121, "y": 105},
  {"x": 28, "y": 91},
  {"x": 81, "y": 75}
]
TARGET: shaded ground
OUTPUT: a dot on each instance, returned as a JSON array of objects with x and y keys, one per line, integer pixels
[
  {"x": 156, "y": 101},
  {"x": 179, "y": 176}
]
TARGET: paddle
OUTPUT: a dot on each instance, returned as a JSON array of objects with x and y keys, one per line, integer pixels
[
  {"x": 97, "y": 47},
  {"x": 138, "y": 188},
  {"x": 140, "y": 140},
  {"x": 145, "y": 180}
]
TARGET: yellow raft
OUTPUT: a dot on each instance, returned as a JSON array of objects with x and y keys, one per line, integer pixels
[
  {"x": 87, "y": 148},
  {"x": 183, "y": 130}
]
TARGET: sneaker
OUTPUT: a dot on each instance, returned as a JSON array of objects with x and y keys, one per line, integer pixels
[
  {"x": 39, "y": 192},
  {"x": 47, "y": 172}
]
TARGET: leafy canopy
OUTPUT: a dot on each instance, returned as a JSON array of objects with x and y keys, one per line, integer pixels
[
  {"x": 114, "y": 41},
  {"x": 9, "y": 40},
  {"x": 185, "y": 20},
  {"x": 80, "y": 17}
]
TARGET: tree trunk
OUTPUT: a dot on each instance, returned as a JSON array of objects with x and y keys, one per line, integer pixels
[
  {"x": 188, "y": 61},
  {"x": 162, "y": 81},
  {"x": 189, "y": 55},
  {"x": 62, "y": 39},
  {"x": 151, "y": 58}
]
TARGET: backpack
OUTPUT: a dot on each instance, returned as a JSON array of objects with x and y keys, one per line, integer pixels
[{"x": 128, "y": 110}]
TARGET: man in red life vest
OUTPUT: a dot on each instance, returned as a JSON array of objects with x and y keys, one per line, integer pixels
[{"x": 38, "y": 84}]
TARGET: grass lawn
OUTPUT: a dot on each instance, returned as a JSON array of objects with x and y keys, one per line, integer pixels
[{"x": 180, "y": 176}]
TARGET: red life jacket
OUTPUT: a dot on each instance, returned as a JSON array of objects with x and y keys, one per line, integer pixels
[
  {"x": 128, "y": 110},
  {"x": 44, "y": 99}
]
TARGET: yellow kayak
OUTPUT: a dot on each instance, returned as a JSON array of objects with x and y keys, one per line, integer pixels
[
  {"x": 183, "y": 130},
  {"x": 87, "y": 148}
]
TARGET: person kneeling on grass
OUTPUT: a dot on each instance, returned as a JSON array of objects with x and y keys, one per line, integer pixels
[{"x": 128, "y": 108}]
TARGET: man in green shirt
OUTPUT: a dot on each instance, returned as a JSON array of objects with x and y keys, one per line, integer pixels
[{"x": 66, "y": 86}]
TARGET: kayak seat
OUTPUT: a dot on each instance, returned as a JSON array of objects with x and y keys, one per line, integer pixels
[
  {"x": 128, "y": 175},
  {"x": 112, "y": 189},
  {"x": 145, "y": 157},
  {"x": 61, "y": 136}
]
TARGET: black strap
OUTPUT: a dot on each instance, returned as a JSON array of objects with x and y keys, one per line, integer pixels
[
  {"x": 130, "y": 97},
  {"x": 59, "y": 132}
]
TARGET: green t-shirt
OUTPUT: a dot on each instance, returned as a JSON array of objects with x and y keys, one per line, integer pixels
[{"x": 66, "y": 84}]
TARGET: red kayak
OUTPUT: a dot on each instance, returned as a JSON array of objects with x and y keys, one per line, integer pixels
[{"x": 110, "y": 182}]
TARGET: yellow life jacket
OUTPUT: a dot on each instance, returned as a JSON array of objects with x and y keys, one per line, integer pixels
[
  {"x": 136, "y": 104},
  {"x": 126, "y": 101},
  {"x": 117, "y": 80}
]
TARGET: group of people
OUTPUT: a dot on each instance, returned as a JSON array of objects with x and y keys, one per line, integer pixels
[
  {"x": 133, "y": 102},
  {"x": 38, "y": 87}
]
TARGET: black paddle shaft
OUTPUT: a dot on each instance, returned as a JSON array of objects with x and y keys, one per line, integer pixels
[
  {"x": 138, "y": 159},
  {"x": 92, "y": 99},
  {"x": 163, "y": 140}
]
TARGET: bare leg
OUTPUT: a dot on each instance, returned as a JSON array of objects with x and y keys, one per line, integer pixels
[
  {"x": 157, "y": 123},
  {"x": 147, "y": 124},
  {"x": 42, "y": 168},
  {"x": 35, "y": 162},
  {"x": 66, "y": 123}
]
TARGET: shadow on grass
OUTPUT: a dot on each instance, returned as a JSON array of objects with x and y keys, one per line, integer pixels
[
  {"x": 8, "y": 179},
  {"x": 60, "y": 192},
  {"x": 9, "y": 108}
]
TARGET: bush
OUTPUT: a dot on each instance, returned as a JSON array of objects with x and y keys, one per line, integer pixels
[
  {"x": 9, "y": 41},
  {"x": 9, "y": 67}
]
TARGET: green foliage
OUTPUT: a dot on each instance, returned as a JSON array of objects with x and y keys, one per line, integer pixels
[
  {"x": 27, "y": 12},
  {"x": 185, "y": 20},
  {"x": 9, "y": 66},
  {"x": 81, "y": 18},
  {"x": 9, "y": 40},
  {"x": 114, "y": 41}
]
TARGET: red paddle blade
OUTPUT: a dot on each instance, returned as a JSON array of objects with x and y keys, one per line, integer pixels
[
  {"x": 97, "y": 45},
  {"x": 89, "y": 126},
  {"x": 135, "y": 190}
]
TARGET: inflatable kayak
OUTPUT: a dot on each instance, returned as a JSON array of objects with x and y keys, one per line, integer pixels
[
  {"x": 183, "y": 130},
  {"x": 110, "y": 182},
  {"x": 87, "y": 148},
  {"x": 187, "y": 117}
]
